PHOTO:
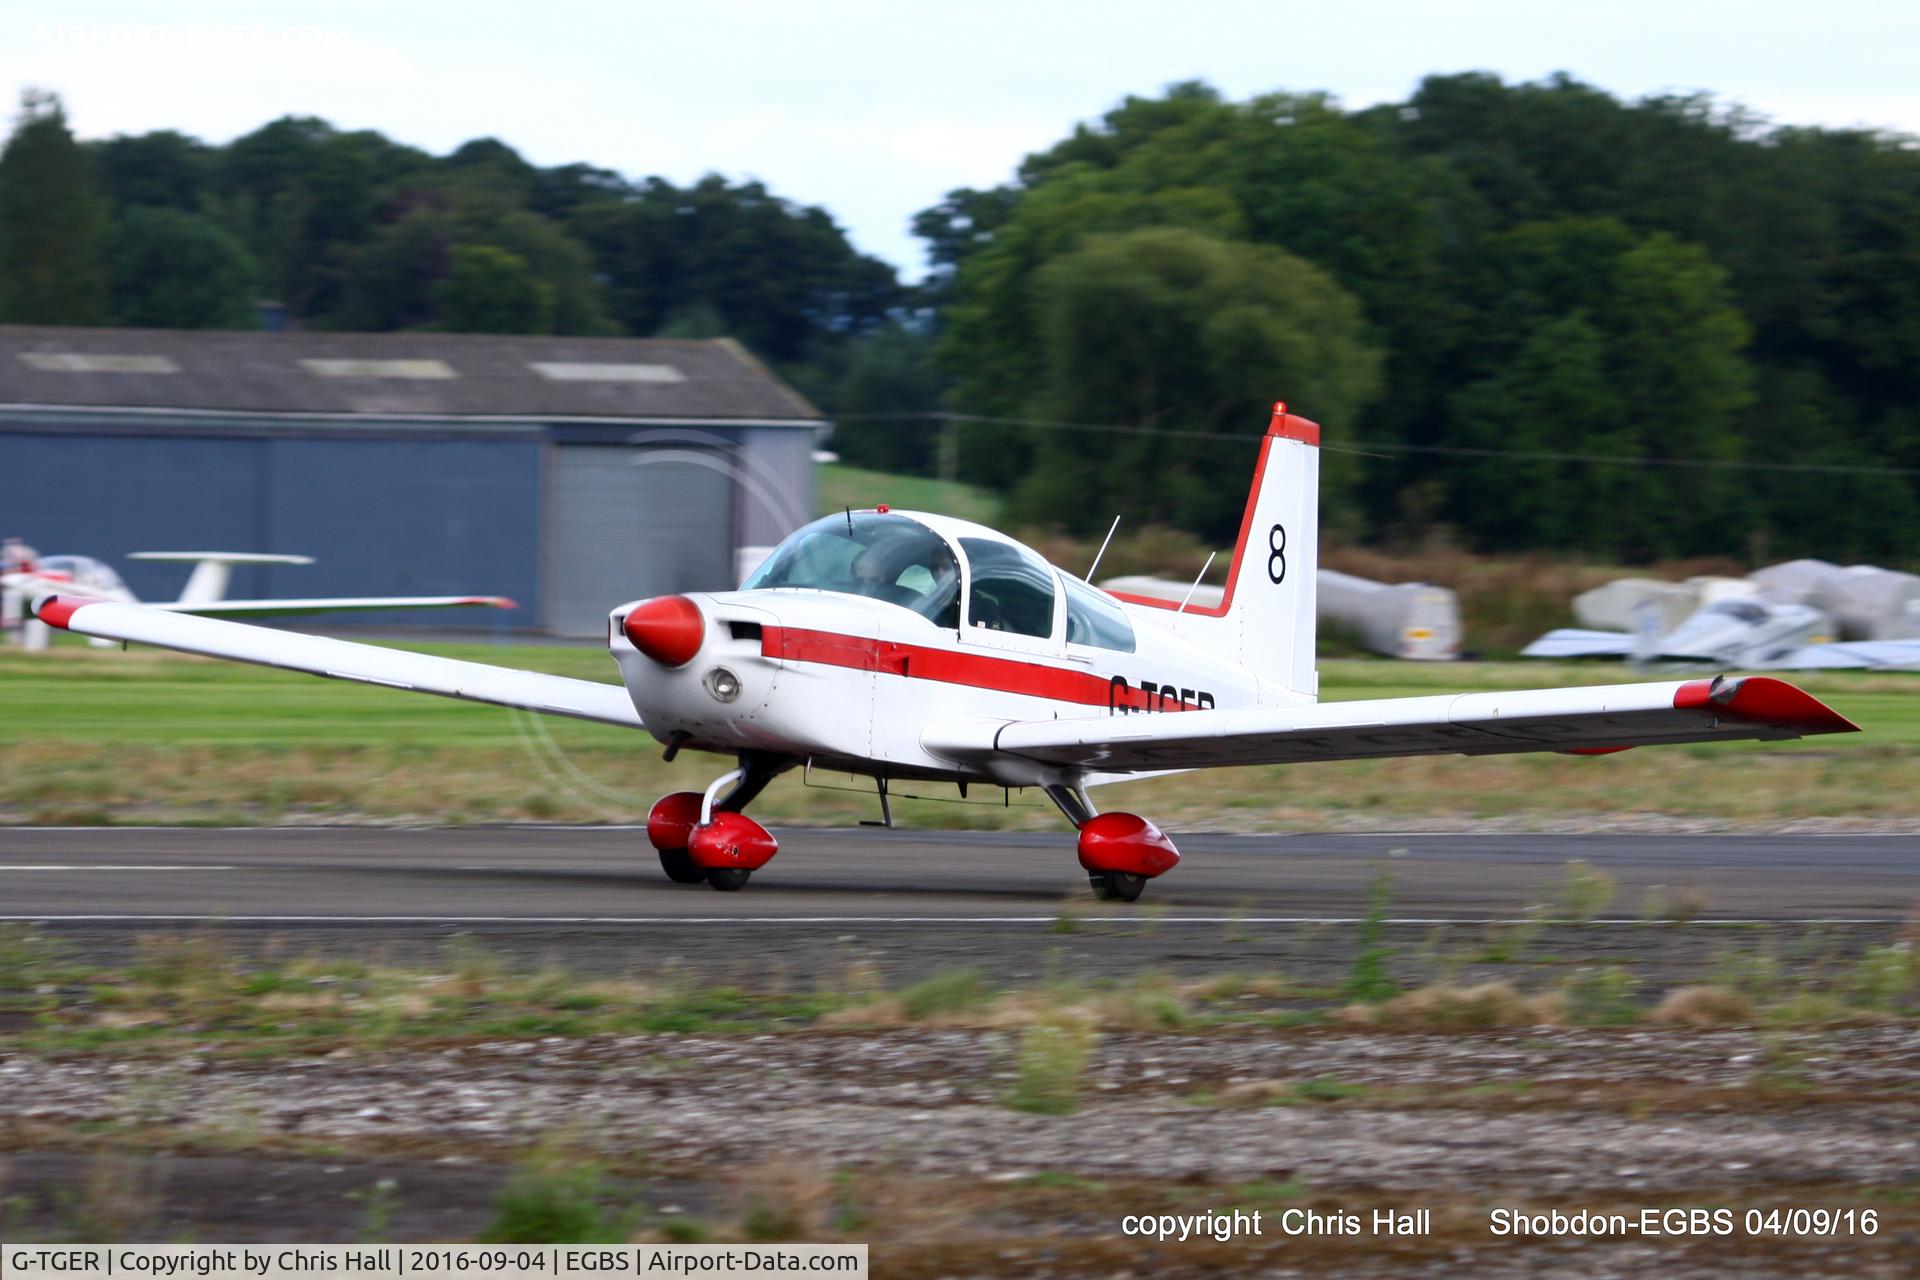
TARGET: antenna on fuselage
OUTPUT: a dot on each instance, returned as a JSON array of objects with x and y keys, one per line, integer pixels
[
  {"x": 849, "y": 520},
  {"x": 1095, "y": 566},
  {"x": 1197, "y": 581}
]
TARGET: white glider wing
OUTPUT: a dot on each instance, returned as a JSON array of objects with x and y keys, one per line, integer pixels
[
  {"x": 1572, "y": 642},
  {"x": 342, "y": 659},
  {"x": 1582, "y": 720},
  {"x": 1849, "y": 653}
]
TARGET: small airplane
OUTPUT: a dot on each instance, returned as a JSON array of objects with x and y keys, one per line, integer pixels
[
  {"x": 906, "y": 646},
  {"x": 24, "y": 574},
  {"x": 1747, "y": 631}
]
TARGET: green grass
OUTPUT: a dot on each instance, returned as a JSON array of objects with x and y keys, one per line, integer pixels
[
  {"x": 93, "y": 736},
  {"x": 839, "y": 487}
]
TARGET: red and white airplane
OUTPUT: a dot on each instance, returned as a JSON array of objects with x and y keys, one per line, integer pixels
[
  {"x": 905, "y": 646},
  {"x": 25, "y": 574}
]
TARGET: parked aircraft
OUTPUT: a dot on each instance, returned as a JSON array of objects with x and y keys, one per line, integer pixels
[
  {"x": 1742, "y": 631},
  {"x": 24, "y": 574},
  {"x": 910, "y": 647}
]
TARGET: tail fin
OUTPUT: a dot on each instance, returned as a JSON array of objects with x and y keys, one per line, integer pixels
[{"x": 1266, "y": 618}]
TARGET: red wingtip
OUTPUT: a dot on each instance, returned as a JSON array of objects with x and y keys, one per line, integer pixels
[
  {"x": 58, "y": 611},
  {"x": 496, "y": 602},
  {"x": 1765, "y": 700},
  {"x": 1289, "y": 426}
]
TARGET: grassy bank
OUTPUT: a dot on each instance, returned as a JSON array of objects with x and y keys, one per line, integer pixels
[{"x": 92, "y": 737}]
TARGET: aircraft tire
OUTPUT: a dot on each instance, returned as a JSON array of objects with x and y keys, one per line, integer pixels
[
  {"x": 680, "y": 867},
  {"x": 1116, "y": 886},
  {"x": 728, "y": 879}
]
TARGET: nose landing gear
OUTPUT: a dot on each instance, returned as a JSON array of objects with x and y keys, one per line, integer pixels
[{"x": 701, "y": 838}]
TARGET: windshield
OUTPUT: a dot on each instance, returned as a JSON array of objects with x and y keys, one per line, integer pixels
[
  {"x": 1746, "y": 611},
  {"x": 882, "y": 557}
]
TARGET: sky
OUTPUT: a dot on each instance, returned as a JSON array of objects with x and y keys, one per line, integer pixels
[{"x": 875, "y": 110}]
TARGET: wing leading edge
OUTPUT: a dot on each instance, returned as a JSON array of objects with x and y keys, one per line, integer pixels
[
  {"x": 342, "y": 659},
  {"x": 1582, "y": 720}
]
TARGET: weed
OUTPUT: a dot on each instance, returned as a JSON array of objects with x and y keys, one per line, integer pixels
[
  {"x": 1665, "y": 904},
  {"x": 1508, "y": 944},
  {"x": 1705, "y": 1007},
  {"x": 783, "y": 1200},
  {"x": 1585, "y": 891},
  {"x": 1325, "y": 1090},
  {"x": 1601, "y": 997},
  {"x": 949, "y": 991},
  {"x": 1488, "y": 1005},
  {"x": 1049, "y": 1066},
  {"x": 1886, "y": 977},
  {"x": 378, "y": 1202},
  {"x": 1370, "y": 979},
  {"x": 553, "y": 1199}
]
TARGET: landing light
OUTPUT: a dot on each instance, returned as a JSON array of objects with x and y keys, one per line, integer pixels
[{"x": 723, "y": 684}]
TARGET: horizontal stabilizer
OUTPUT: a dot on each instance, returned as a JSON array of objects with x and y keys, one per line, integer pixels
[
  {"x": 342, "y": 659},
  {"x": 223, "y": 557}
]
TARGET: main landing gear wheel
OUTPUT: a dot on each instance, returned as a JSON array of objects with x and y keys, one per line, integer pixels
[
  {"x": 680, "y": 867},
  {"x": 1116, "y": 885},
  {"x": 732, "y": 879}
]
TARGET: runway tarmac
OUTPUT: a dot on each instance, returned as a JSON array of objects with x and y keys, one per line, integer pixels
[
  {"x": 915, "y": 901},
  {"x": 564, "y": 875}
]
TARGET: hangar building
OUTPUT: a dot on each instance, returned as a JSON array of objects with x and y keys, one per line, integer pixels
[{"x": 569, "y": 473}]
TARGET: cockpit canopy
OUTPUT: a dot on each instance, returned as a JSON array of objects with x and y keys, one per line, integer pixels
[
  {"x": 882, "y": 557},
  {"x": 900, "y": 560},
  {"x": 84, "y": 571}
]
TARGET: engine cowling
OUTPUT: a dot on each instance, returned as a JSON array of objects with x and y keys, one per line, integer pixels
[
  {"x": 732, "y": 840},
  {"x": 1126, "y": 843}
]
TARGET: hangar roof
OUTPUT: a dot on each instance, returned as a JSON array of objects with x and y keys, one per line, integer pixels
[{"x": 439, "y": 375}]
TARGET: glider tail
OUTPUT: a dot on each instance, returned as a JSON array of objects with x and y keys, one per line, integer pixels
[{"x": 1267, "y": 614}]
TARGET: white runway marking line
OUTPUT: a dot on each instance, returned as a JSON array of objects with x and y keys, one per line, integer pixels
[
  {"x": 52, "y": 918},
  {"x": 112, "y": 866}
]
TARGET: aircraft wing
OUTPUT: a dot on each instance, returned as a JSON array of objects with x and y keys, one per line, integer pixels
[
  {"x": 1581, "y": 720},
  {"x": 1848, "y": 654},
  {"x": 342, "y": 659},
  {"x": 1572, "y": 642},
  {"x": 342, "y": 604}
]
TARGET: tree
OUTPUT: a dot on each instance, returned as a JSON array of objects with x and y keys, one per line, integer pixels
[
  {"x": 781, "y": 277},
  {"x": 175, "y": 270},
  {"x": 1167, "y": 329},
  {"x": 51, "y": 222},
  {"x": 489, "y": 290},
  {"x": 879, "y": 398},
  {"x": 160, "y": 170}
]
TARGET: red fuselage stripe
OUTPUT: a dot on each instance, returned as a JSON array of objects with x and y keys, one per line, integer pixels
[{"x": 976, "y": 671}]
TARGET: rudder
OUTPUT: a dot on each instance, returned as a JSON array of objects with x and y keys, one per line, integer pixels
[{"x": 1267, "y": 614}]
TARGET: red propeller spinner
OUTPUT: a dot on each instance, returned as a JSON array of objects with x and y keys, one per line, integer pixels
[{"x": 668, "y": 629}]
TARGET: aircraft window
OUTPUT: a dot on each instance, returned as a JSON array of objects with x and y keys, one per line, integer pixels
[
  {"x": 882, "y": 557},
  {"x": 1745, "y": 611},
  {"x": 1093, "y": 619},
  {"x": 1012, "y": 588}
]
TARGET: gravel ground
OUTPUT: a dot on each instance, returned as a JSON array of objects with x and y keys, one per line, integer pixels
[{"x": 1540, "y": 1118}]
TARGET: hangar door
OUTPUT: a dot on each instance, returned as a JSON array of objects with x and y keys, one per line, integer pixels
[{"x": 626, "y": 522}]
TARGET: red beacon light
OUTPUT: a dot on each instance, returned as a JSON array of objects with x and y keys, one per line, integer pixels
[{"x": 883, "y": 508}]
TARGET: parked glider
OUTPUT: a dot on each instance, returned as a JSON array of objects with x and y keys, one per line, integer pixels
[
  {"x": 25, "y": 574},
  {"x": 1744, "y": 631},
  {"x": 905, "y": 646}
]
